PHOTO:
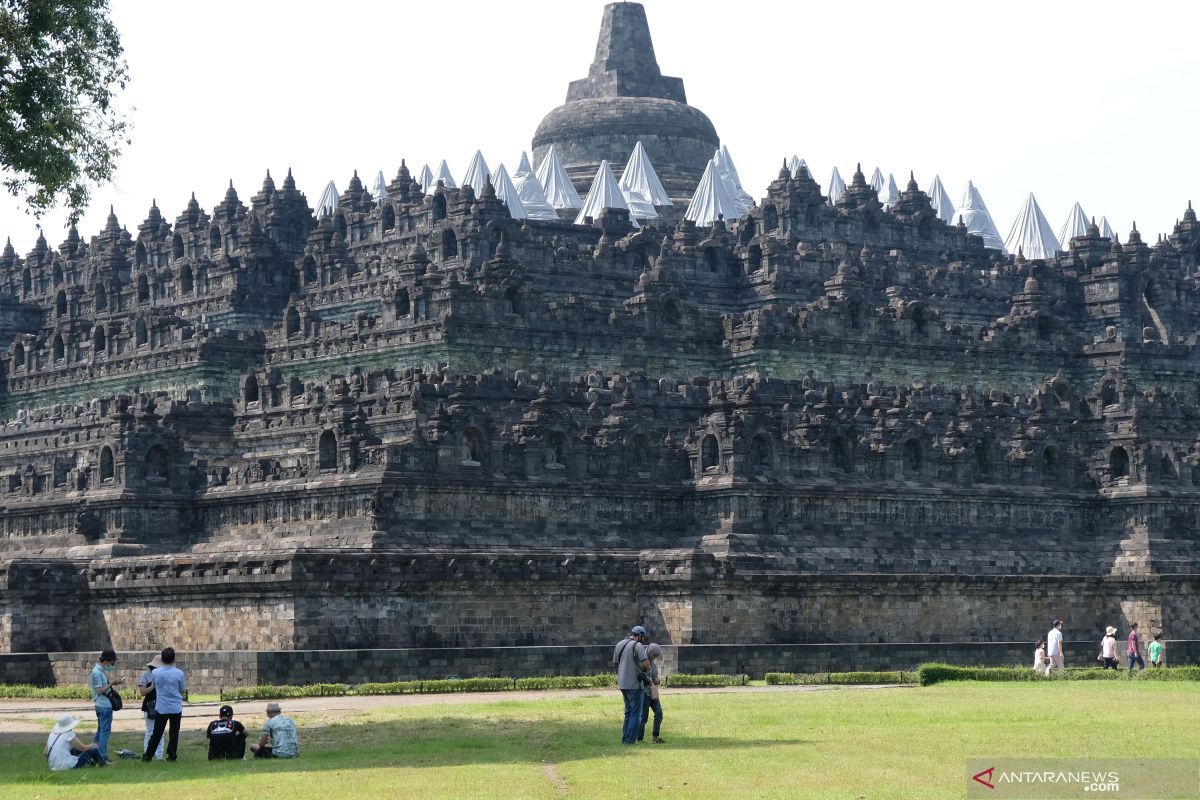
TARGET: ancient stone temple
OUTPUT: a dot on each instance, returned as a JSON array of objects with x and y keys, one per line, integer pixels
[
  {"x": 417, "y": 437},
  {"x": 626, "y": 99}
]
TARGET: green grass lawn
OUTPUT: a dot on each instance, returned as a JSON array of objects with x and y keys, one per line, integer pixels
[{"x": 846, "y": 743}]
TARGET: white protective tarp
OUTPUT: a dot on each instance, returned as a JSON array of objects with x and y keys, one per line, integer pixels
[
  {"x": 556, "y": 184},
  {"x": 837, "y": 187},
  {"x": 973, "y": 213},
  {"x": 533, "y": 199},
  {"x": 794, "y": 166},
  {"x": 1106, "y": 229},
  {"x": 443, "y": 175},
  {"x": 328, "y": 202},
  {"x": 477, "y": 173},
  {"x": 1031, "y": 235},
  {"x": 506, "y": 192},
  {"x": 605, "y": 193},
  {"x": 878, "y": 183},
  {"x": 426, "y": 179},
  {"x": 712, "y": 199},
  {"x": 380, "y": 190},
  {"x": 733, "y": 183},
  {"x": 890, "y": 193},
  {"x": 639, "y": 177},
  {"x": 1076, "y": 225},
  {"x": 939, "y": 198}
]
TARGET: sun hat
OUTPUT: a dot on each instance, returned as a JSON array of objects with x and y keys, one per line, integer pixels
[
  {"x": 65, "y": 723},
  {"x": 272, "y": 707},
  {"x": 638, "y": 630},
  {"x": 155, "y": 662},
  {"x": 1110, "y": 630}
]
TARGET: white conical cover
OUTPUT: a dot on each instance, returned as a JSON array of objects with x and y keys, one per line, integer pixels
[
  {"x": 877, "y": 182},
  {"x": 1031, "y": 234},
  {"x": 640, "y": 178},
  {"x": 380, "y": 189},
  {"x": 1076, "y": 225},
  {"x": 508, "y": 193},
  {"x": 733, "y": 184},
  {"x": 794, "y": 166},
  {"x": 939, "y": 198},
  {"x": 477, "y": 173},
  {"x": 974, "y": 214},
  {"x": 605, "y": 193},
  {"x": 890, "y": 193},
  {"x": 712, "y": 199},
  {"x": 639, "y": 206},
  {"x": 556, "y": 184},
  {"x": 426, "y": 179},
  {"x": 533, "y": 199},
  {"x": 837, "y": 187},
  {"x": 443, "y": 175},
  {"x": 1105, "y": 229},
  {"x": 328, "y": 202}
]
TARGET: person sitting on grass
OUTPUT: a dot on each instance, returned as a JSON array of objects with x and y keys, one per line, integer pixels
[
  {"x": 279, "y": 738},
  {"x": 1041, "y": 662},
  {"x": 226, "y": 736},
  {"x": 65, "y": 751}
]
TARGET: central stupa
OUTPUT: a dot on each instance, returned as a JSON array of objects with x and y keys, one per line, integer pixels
[{"x": 626, "y": 99}]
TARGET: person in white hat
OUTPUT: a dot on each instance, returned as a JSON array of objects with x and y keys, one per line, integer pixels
[
  {"x": 1108, "y": 648},
  {"x": 65, "y": 751},
  {"x": 146, "y": 686}
]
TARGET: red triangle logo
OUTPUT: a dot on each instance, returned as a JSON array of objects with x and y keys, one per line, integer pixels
[{"x": 985, "y": 777}]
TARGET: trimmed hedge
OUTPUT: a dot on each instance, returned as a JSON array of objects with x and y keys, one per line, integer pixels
[
  {"x": 938, "y": 673},
  {"x": 838, "y": 678},
  {"x": 682, "y": 680},
  {"x": 604, "y": 681},
  {"x": 66, "y": 692}
]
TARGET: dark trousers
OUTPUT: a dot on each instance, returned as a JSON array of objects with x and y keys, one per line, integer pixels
[
  {"x": 1110, "y": 663},
  {"x": 649, "y": 705},
  {"x": 633, "y": 715},
  {"x": 160, "y": 724}
]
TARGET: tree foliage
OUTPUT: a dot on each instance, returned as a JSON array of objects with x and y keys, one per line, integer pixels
[{"x": 61, "y": 64}]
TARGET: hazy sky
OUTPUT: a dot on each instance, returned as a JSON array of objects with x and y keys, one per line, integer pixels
[{"x": 1092, "y": 102}]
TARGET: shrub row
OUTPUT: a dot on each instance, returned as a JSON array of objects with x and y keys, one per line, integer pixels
[
  {"x": 683, "y": 679},
  {"x": 838, "y": 678},
  {"x": 66, "y": 692},
  {"x": 930, "y": 674}
]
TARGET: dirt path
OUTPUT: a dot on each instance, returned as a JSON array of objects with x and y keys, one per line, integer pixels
[{"x": 20, "y": 718}]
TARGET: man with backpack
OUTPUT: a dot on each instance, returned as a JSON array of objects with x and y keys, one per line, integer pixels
[{"x": 630, "y": 659}]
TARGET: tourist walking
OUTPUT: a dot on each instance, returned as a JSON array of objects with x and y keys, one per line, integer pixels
[
  {"x": 169, "y": 685},
  {"x": 1133, "y": 650},
  {"x": 1041, "y": 663},
  {"x": 652, "y": 701},
  {"x": 102, "y": 682},
  {"x": 1158, "y": 651},
  {"x": 1108, "y": 648},
  {"x": 148, "y": 699},
  {"x": 629, "y": 657},
  {"x": 279, "y": 738},
  {"x": 65, "y": 751},
  {"x": 1054, "y": 647}
]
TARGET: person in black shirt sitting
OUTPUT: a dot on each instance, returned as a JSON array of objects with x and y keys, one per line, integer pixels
[{"x": 226, "y": 736}]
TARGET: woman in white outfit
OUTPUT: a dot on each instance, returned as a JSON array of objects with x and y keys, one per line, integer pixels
[{"x": 148, "y": 705}]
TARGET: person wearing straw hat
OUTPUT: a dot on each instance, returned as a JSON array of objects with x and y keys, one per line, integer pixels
[
  {"x": 1108, "y": 648},
  {"x": 146, "y": 687},
  {"x": 279, "y": 738},
  {"x": 65, "y": 751}
]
